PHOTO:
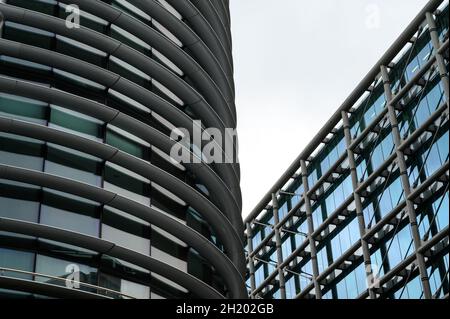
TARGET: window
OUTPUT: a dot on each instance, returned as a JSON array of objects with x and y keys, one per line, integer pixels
[
  {"x": 16, "y": 259},
  {"x": 413, "y": 290},
  {"x": 44, "y": 6},
  {"x": 437, "y": 155},
  {"x": 28, "y": 35},
  {"x": 312, "y": 178},
  {"x": 20, "y": 209},
  {"x": 291, "y": 290},
  {"x": 256, "y": 239},
  {"x": 353, "y": 284},
  {"x": 126, "y": 142},
  {"x": 166, "y": 62},
  {"x": 129, "y": 72},
  {"x": 126, "y": 232},
  {"x": 80, "y": 50},
  {"x": 391, "y": 197},
  {"x": 376, "y": 260},
  {"x": 165, "y": 93},
  {"x": 374, "y": 109},
  {"x": 437, "y": 276},
  {"x": 79, "y": 81},
  {"x": 282, "y": 211},
  {"x": 86, "y": 19},
  {"x": 345, "y": 239},
  {"x": 65, "y": 162},
  {"x": 340, "y": 193},
  {"x": 302, "y": 232},
  {"x": 128, "y": 288},
  {"x": 30, "y": 151},
  {"x": 441, "y": 209},
  {"x": 63, "y": 268},
  {"x": 169, "y": 259},
  {"x": 69, "y": 213},
  {"x": 382, "y": 151},
  {"x": 401, "y": 246},
  {"x": 259, "y": 274},
  {"x": 306, "y": 274},
  {"x": 298, "y": 193},
  {"x": 317, "y": 217},
  {"x": 322, "y": 259},
  {"x": 127, "y": 184},
  {"x": 129, "y": 39},
  {"x": 272, "y": 262},
  {"x": 419, "y": 59},
  {"x": 286, "y": 247},
  {"x": 361, "y": 169},
  {"x": 134, "y": 11},
  {"x": 22, "y": 108},
  {"x": 75, "y": 123},
  {"x": 332, "y": 153},
  {"x": 166, "y": 33}
]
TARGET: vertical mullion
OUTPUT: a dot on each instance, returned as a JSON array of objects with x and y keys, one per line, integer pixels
[
  {"x": 358, "y": 205},
  {"x": 312, "y": 243},
  {"x": 439, "y": 58},
  {"x": 278, "y": 246},
  {"x": 401, "y": 161},
  {"x": 251, "y": 265}
]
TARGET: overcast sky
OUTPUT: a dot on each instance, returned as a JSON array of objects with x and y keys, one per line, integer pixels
[{"x": 295, "y": 63}]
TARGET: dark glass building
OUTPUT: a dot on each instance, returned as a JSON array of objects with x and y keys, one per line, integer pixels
[
  {"x": 91, "y": 204},
  {"x": 363, "y": 211}
]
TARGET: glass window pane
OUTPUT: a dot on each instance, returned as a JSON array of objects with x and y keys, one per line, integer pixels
[
  {"x": 62, "y": 268},
  {"x": 19, "y": 209},
  {"x": 22, "y": 108},
  {"x": 126, "y": 183},
  {"x": 72, "y": 164},
  {"x": 16, "y": 259},
  {"x": 125, "y": 144},
  {"x": 67, "y": 213},
  {"x": 30, "y": 151},
  {"x": 126, "y": 287},
  {"x": 76, "y": 123}
]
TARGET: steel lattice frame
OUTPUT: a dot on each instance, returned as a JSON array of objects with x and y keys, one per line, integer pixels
[{"x": 423, "y": 250}]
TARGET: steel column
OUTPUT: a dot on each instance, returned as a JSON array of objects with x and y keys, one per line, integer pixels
[
  {"x": 439, "y": 58},
  {"x": 358, "y": 205},
  {"x": 276, "y": 219},
  {"x": 401, "y": 162},
  {"x": 250, "y": 260},
  {"x": 312, "y": 243}
]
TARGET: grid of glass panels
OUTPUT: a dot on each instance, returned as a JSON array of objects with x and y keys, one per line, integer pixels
[{"x": 336, "y": 228}]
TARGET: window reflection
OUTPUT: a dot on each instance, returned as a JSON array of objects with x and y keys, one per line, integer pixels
[
  {"x": 72, "y": 164},
  {"x": 126, "y": 287},
  {"x": 21, "y": 151},
  {"x": 129, "y": 233},
  {"x": 127, "y": 184},
  {"x": 64, "y": 269},
  {"x": 75, "y": 123},
  {"x": 67, "y": 213},
  {"x": 22, "y": 108},
  {"x": 16, "y": 259}
]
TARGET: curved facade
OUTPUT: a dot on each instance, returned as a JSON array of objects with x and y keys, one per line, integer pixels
[{"x": 91, "y": 205}]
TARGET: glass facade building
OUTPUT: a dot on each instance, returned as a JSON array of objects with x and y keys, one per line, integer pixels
[
  {"x": 363, "y": 211},
  {"x": 91, "y": 204}
]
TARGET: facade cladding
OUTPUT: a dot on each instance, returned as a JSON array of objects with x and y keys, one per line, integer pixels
[
  {"x": 363, "y": 211},
  {"x": 91, "y": 205}
]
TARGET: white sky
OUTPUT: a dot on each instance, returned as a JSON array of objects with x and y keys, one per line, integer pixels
[{"x": 295, "y": 63}]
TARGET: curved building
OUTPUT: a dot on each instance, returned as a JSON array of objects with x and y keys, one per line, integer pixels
[{"x": 91, "y": 204}]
